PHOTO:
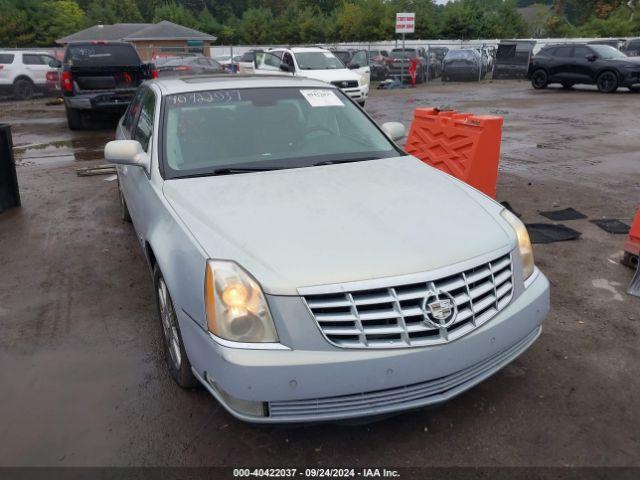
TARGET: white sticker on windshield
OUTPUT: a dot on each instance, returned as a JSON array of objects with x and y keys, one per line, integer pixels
[{"x": 322, "y": 98}]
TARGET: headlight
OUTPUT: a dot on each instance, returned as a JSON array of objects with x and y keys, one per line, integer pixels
[
  {"x": 524, "y": 244},
  {"x": 235, "y": 305}
]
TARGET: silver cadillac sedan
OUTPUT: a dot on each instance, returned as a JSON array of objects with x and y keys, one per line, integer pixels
[{"x": 305, "y": 267}]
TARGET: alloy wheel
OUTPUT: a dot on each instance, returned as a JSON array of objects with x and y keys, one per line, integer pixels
[{"x": 169, "y": 324}]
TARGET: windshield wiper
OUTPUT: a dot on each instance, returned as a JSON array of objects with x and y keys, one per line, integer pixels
[
  {"x": 228, "y": 171},
  {"x": 335, "y": 162}
]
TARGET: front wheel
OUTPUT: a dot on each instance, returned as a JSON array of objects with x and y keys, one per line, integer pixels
[
  {"x": 361, "y": 103},
  {"x": 539, "y": 79},
  {"x": 607, "y": 82},
  {"x": 173, "y": 347}
]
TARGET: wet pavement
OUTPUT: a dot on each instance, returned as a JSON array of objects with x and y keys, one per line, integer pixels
[{"x": 83, "y": 382}]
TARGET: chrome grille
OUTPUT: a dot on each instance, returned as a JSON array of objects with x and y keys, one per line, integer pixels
[
  {"x": 345, "y": 83},
  {"x": 394, "y": 317}
]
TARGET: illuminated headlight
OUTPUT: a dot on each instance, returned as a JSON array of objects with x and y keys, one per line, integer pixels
[
  {"x": 524, "y": 243},
  {"x": 235, "y": 305}
]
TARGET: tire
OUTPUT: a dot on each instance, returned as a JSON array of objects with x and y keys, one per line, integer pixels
[
  {"x": 124, "y": 210},
  {"x": 539, "y": 79},
  {"x": 607, "y": 82},
  {"x": 74, "y": 119},
  {"x": 23, "y": 89},
  {"x": 362, "y": 103},
  {"x": 174, "y": 353},
  {"x": 567, "y": 86}
]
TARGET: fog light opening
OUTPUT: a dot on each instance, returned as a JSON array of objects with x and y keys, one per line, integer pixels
[{"x": 244, "y": 407}]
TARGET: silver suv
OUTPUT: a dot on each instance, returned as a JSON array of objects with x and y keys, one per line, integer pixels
[{"x": 305, "y": 267}]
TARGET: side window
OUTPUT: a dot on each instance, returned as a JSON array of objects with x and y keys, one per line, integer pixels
[
  {"x": 32, "y": 59},
  {"x": 144, "y": 127},
  {"x": 581, "y": 52},
  {"x": 360, "y": 58},
  {"x": 131, "y": 115},
  {"x": 288, "y": 59},
  {"x": 563, "y": 52},
  {"x": 6, "y": 58},
  {"x": 278, "y": 53}
]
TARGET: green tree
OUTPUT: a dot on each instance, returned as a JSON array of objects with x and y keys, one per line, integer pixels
[
  {"x": 176, "y": 13},
  {"x": 57, "y": 19},
  {"x": 113, "y": 11},
  {"x": 256, "y": 26}
]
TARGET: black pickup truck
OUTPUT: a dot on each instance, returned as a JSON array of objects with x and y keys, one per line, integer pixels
[{"x": 100, "y": 77}]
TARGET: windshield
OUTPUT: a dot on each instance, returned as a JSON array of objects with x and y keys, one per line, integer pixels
[
  {"x": 266, "y": 128},
  {"x": 318, "y": 61},
  {"x": 607, "y": 52},
  {"x": 461, "y": 54},
  {"x": 408, "y": 53},
  {"x": 101, "y": 55}
]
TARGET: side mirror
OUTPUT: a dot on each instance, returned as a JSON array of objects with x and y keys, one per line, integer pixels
[
  {"x": 126, "y": 152},
  {"x": 591, "y": 57},
  {"x": 353, "y": 66},
  {"x": 285, "y": 67},
  {"x": 395, "y": 130}
]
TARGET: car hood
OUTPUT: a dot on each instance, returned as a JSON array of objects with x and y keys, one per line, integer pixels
[
  {"x": 330, "y": 75},
  {"x": 630, "y": 61},
  {"x": 338, "y": 223}
]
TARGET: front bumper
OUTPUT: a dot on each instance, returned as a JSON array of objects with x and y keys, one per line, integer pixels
[
  {"x": 308, "y": 386},
  {"x": 629, "y": 78},
  {"x": 359, "y": 94}
]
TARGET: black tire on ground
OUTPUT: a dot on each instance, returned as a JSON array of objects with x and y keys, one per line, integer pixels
[
  {"x": 74, "y": 119},
  {"x": 173, "y": 347},
  {"x": 361, "y": 103},
  {"x": 23, "y": 89},
  {"x": 567, "y": 86},
  {"x": 539, "y": 79},
  {"x": 124, "y": 210},
  {"x": 607, "y": 82}
]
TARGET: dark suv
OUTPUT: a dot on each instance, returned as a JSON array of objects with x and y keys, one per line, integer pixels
[{"x": 569, "y": 64}]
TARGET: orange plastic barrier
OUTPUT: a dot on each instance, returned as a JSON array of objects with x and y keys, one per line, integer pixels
[
  {"x": 464, "y": 145},
  {"x": 633, "y": 242}
]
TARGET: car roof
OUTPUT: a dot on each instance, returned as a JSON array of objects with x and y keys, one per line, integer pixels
[
  {"x": 198, "y": 83},
  {"x": 303, "y": 49}
]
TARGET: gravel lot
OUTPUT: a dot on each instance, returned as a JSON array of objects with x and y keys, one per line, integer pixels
[{"x": 83, "y": 383}]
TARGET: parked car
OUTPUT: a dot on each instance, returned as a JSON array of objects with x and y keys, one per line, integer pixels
[
  {"x": 100, "y": 77},
  {"x": 356, "y": 60},
  {"x": 512, "y": 59},
  {"x": 612, "y": 42},
  {"x": 631, "y": 47},
  {"x": 402, "y": 62},
  {"x": 247, "y": 60},
  {"x": 316, "y": 63},
  {"x": 570, "y": 64},
  {"x": 379, "y": 63},
  {"x": 228, "y": 63},
  {"x": 189, "y": 66},
  {"x": 296, "y": 270},
  {"x": 24, "y": 72},
  {"x": 463, "y": 64},
  {"x": 440, "y": 52}
]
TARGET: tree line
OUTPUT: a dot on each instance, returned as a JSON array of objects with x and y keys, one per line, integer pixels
[{"x": 41, "y": 22}]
